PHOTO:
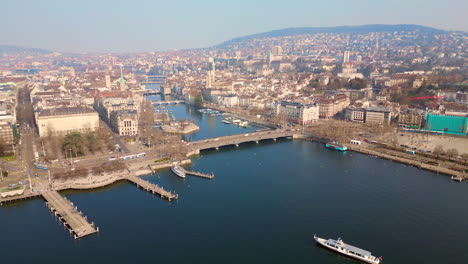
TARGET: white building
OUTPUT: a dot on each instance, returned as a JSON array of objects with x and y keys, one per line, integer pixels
[
  {"x": 299, "y": 113},
  {"x": 125, "y": 122},
  {"x": 229, "y": 100},
  {"x": 65, "y": 120}
]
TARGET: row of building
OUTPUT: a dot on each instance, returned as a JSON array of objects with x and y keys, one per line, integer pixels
[
  {"x": 7, "y": 115},
  {"x": 60, "y": 111}
]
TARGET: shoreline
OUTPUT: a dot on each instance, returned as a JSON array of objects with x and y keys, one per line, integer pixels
[
  {"x": 418, "y": 164},
  {"x": 110, "y": 179}
]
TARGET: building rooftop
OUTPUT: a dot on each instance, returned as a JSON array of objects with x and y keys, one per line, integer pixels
[
  {"x": 66, "y": 111},
  {"x": 378, "y": 109}
]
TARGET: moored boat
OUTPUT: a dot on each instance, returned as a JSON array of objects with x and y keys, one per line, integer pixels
[
  {"x": 244, "y": 124},
  {"x": 348, "y": 250},
  {"x": 178, "y": 171},
  {"x": 335, "y": 146}
]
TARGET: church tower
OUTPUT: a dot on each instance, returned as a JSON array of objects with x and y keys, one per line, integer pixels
[{"x": 122, "y": 84}]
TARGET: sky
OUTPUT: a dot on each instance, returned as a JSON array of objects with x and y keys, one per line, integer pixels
[{"x": 155, "y": 25}]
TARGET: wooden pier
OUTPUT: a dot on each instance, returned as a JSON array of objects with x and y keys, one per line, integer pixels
[
  {"x": 152, "y": 188},
  {"x": 74, "y": 220},
  {"x": 198, "y": 174}
]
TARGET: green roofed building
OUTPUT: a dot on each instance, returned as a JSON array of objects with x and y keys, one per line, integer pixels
[{"x": 457, "y": 125}]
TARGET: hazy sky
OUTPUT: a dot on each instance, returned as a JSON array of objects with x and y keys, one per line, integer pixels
[{"x": 154, "y": 25}]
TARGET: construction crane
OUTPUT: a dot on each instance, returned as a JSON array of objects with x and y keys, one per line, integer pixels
[{"x": 435, "y": 97}]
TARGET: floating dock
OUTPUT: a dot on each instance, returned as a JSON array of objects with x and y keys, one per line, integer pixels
[
  {"x": 152, "y": 188},
  {"x": 74, "y": 220}
]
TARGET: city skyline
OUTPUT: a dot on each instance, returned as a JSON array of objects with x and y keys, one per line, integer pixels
[{"x": 118, "y": 26}]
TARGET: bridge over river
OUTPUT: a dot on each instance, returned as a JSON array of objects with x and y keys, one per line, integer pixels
[
  {"x": 239, "y": 139},
  {"x": 168, "y": 102}
]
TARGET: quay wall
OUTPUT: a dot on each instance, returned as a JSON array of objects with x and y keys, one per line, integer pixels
[{"x": 421, "y": 165}]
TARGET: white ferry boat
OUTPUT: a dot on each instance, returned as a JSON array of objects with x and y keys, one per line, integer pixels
[
  {"x": 348, "y": 250},
  {"x": 178, "y": 171}
]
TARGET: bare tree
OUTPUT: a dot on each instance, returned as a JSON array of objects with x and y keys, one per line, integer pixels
[
  {"x": 439, "y": 150},
  {"x": 452, "y": 152}
]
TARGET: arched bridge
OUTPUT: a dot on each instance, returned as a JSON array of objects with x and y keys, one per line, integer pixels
[
  {"x": 168, "y": 102},
  {"x": 239, "y": 139}
]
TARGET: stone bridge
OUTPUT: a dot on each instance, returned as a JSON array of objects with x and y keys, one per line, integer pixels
[
  {"x": 239, "y": 139},
  {"x": 168, "y": 102}
]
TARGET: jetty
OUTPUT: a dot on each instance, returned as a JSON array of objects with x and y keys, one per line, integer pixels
[
  {"x": 198, "y": 174},
  {"x": 67, "y": 213},
  {"x": 458, "y": 178},
  {"x": 152, "y": 188}
]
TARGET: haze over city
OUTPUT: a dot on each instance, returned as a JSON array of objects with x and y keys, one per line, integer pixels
[{"x": 145, "y": 25}]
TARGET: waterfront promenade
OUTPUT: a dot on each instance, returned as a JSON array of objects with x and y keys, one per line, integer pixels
[{"x": 400, "y": 159}]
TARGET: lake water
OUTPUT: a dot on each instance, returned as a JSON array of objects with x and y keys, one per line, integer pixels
[{"x": 263, "y": 206}]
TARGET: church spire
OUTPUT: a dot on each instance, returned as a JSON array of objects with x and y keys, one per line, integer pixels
[{"x": 122, "y": 80}]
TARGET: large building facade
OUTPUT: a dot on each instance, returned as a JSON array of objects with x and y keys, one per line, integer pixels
[
  {"x": 457, "y": 125},
  {"x": 411, "y": 119},
  {"x": 378, "y": 115},
  {"x": 125, "y": 123},
  {"x": 332, "y": 105},
  {"x": 6, "y": 134},
  {"x": 355, "y": 114},
  {"x": 60, "y": 121},
  {"x": 298, "y": 113}
]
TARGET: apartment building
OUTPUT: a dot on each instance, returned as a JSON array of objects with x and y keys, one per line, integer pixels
[
  {"x": 330, "y": 105},
  {"x": 298, "y": 113}
]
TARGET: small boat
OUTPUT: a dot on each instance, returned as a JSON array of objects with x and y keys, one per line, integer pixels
[
  {"x": 178, "y": 171},
  {"x": 348, "y": 250},
  {"x": 226, "y": 121},
  {"x": 244, "y": 124},
  {"x": 334, "y": 145}
]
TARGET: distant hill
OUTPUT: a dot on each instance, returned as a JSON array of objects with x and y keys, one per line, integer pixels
[
  {"x": 341, "y": 29},
  {"x": 10, "y": 49}
]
